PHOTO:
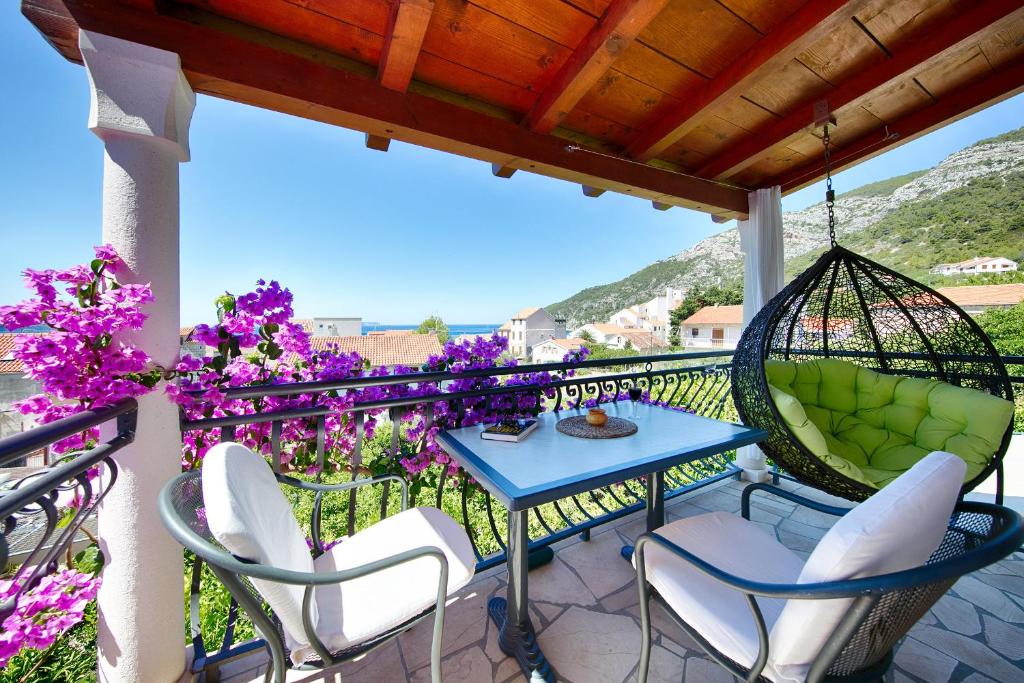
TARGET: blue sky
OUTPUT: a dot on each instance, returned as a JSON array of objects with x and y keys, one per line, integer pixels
[{"x": 389, "y": 237}]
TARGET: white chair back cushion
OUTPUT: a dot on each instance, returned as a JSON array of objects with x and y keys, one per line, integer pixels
[
  {"x": 895, "y": 529},
  {"x": 249, "y": 515}
]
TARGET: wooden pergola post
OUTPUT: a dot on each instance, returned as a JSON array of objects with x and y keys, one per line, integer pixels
[{"x": 141, "y": 109}]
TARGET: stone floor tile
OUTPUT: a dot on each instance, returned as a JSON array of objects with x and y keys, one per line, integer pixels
[
  {"x": 548, "y": 611},
  {"x": 468, "y": 666},
  {"x": 666, "y": 666},
  {"x": 988, "y": 598},
  {"x": 509, "y": 670},
  {"x": 977, "y": 678},
  {"x": 1009, "y": 584},
  {"x": 1006, "y": 639},
  {"x": 716, "y": 500},
  {"x": 956, "y": 614},
  {"x": 665, "y": 628},
  {"x": 924, "y": 661},
  {"x": 585, "y": 646},
  {"x": 972, "y": 653},
  {"x": 620, "y": 600},
  {"x": 465, "y": 619},
  {"x": 703, "y": 670},
  {"x": 813, "y": 518},
  {"x": 796, "y": 542},
  {"x": 556, "y": 583},
  {"x": 806, "y": 530},
  {"x": 599, "y": 564},
  {"x": 683, "y": 510}
]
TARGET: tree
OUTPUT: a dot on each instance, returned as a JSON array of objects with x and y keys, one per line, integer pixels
[
  {"x": 586, "y": 336},
  {"x": 1005, "y": 328},
  {"x": 434, "y": 325}
]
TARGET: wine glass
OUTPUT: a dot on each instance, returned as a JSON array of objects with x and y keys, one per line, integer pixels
[{"x": 634, "y": 395}]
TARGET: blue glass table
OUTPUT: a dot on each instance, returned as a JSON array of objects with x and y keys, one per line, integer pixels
[{"x": 549, "y": 465}]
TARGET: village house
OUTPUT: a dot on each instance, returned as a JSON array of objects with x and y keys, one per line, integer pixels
[
  {"x": 617, "y": 337},
  {"x": 976, "y": 266},
  {"x": 713, "y": 327},
  {"x": 975, "y": 299},
  {"x": 554, "y": 350},
  {"x": 651, "y": 316},
  {"x": 384, "y": 350},
  {"x": 530, "y": 327}
]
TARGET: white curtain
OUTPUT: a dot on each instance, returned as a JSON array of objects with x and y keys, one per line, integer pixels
[{"x": 762, "y": 247}]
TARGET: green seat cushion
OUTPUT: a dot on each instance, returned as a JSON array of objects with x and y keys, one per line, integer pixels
[{"x": 871, "y": 427}]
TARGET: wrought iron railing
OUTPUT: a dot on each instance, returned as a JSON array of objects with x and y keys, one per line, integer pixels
[
  {"x": 46, "y": 513},
  {"x": 699, "y": 382}
]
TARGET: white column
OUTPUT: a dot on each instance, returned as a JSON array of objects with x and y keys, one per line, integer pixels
[
  {"x": 141, "y": 108},
  {"x": 762, "y": 247}
]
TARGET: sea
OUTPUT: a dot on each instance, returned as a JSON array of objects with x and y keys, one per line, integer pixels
[{"x": 454, "y": 330}]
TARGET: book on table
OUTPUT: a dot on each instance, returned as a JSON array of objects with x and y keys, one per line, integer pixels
[{"x": 512, "y": 430}]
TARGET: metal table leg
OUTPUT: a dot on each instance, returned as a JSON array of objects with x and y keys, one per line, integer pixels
[
  {"x": 655, "y": 508},
  {"x": 516, "y": 636}
]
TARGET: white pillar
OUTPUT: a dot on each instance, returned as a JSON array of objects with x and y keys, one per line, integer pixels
[
  {"x": 762, "y": 247},
  {"x": 141, "y": 107}
]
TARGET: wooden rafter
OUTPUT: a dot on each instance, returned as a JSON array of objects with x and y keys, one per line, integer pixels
[
  {"x": 407, "y": 25},
  {"x": 235, "y": 65},
  {"x": 1001, "y": 84},
  {"x": 917, "y": 56},
  {"x": 810, "y": 23},
  {"x": 617, "y": 28}
]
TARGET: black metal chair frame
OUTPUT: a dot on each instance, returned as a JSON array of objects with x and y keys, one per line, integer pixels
[
  {"x": 233, "y": 572},
  {"x": 959, "y": 353},
  {"x": 852, "y": 651}
]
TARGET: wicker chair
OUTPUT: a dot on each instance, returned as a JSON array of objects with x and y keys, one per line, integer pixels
[
  {"x": 185, "y": 514},
  {"x": 858, "y": 644},
  {"x": 850, "y": 308}
]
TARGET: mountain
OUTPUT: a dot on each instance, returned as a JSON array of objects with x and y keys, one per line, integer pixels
[{"x": 971, "y": 204}]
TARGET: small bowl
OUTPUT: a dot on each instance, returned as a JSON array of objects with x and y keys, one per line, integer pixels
[{"x": 596, "y": 417}]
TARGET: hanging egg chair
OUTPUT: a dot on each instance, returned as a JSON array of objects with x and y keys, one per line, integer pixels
[{"x": 857, "y": 372}]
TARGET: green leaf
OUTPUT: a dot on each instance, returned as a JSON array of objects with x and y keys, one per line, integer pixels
[
  {"x": 219, "y": 363},
  {"x": 90, "y": 560},
  {"x": 96, "y": 265}
]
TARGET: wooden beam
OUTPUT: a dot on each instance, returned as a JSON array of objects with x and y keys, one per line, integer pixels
[
  {"x": 407, "y": 25},
  {"x": 377, "y": 142},
  {"x": 244, "y": 69},
  {"x": 1000, "y": 85},
  {"x": 918, "y": 55},
  {"x": 502, "y": 171},
  {"x": 591, "y": 191},
  {"x": 613, "y": 33},
  {"x": 813, "y": 21},
  {"x": 406, "y": 28}
]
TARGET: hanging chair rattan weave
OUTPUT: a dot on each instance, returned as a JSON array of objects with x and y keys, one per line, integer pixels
[{"x": 850, "y": 308}]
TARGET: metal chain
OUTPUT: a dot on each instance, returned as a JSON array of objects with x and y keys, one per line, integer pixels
[{"x": 830, "y": 195}]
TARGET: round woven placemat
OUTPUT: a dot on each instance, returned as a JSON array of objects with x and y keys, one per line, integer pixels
[{"x": 579, "y": 427}]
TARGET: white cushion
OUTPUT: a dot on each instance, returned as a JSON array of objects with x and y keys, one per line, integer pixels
[
  {"x": 357, "y": 610},
  {"x": 249, "y": 515},
  {"x": 718, "y": 612},
  {"x": 895, "y": 529}
]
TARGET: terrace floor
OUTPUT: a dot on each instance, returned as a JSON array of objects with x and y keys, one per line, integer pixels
[{"x": 585, "y": 611}]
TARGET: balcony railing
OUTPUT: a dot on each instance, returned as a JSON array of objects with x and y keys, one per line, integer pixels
[
  {"x": 42, "y": 524},
  {"x": 46, "y": 513},
  {"x": 699, "y": 382}
]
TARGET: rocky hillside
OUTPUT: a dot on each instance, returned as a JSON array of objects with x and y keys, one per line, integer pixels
[{"x": 989, "y": 167}]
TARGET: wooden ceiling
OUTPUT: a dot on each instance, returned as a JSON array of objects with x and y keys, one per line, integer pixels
[{"x": 682, "y": 102}]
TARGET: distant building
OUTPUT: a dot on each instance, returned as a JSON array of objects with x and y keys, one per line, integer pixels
[
  {"x": 554, "y": 350},
  {"x": 977, "y": 266},
  {"x": 385, "y": 350},
  {"x": 713, "y": 327},
  {"x": 14, "y": 387},
  {"x": 334, "y": 327},
  {"x": 980, "y": 298},
  {"x": 530, "y": 327},
  {"x": 617, "y": 337},
  {"x": 651, "y": 316}
]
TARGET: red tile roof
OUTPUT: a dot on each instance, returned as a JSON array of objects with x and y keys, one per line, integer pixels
[
  {"x": 384, "y": 349},
  {"x": 8, "y": 365},
  {"x": 717, "y": 315},
  {"x": 985, "y": 295}
]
